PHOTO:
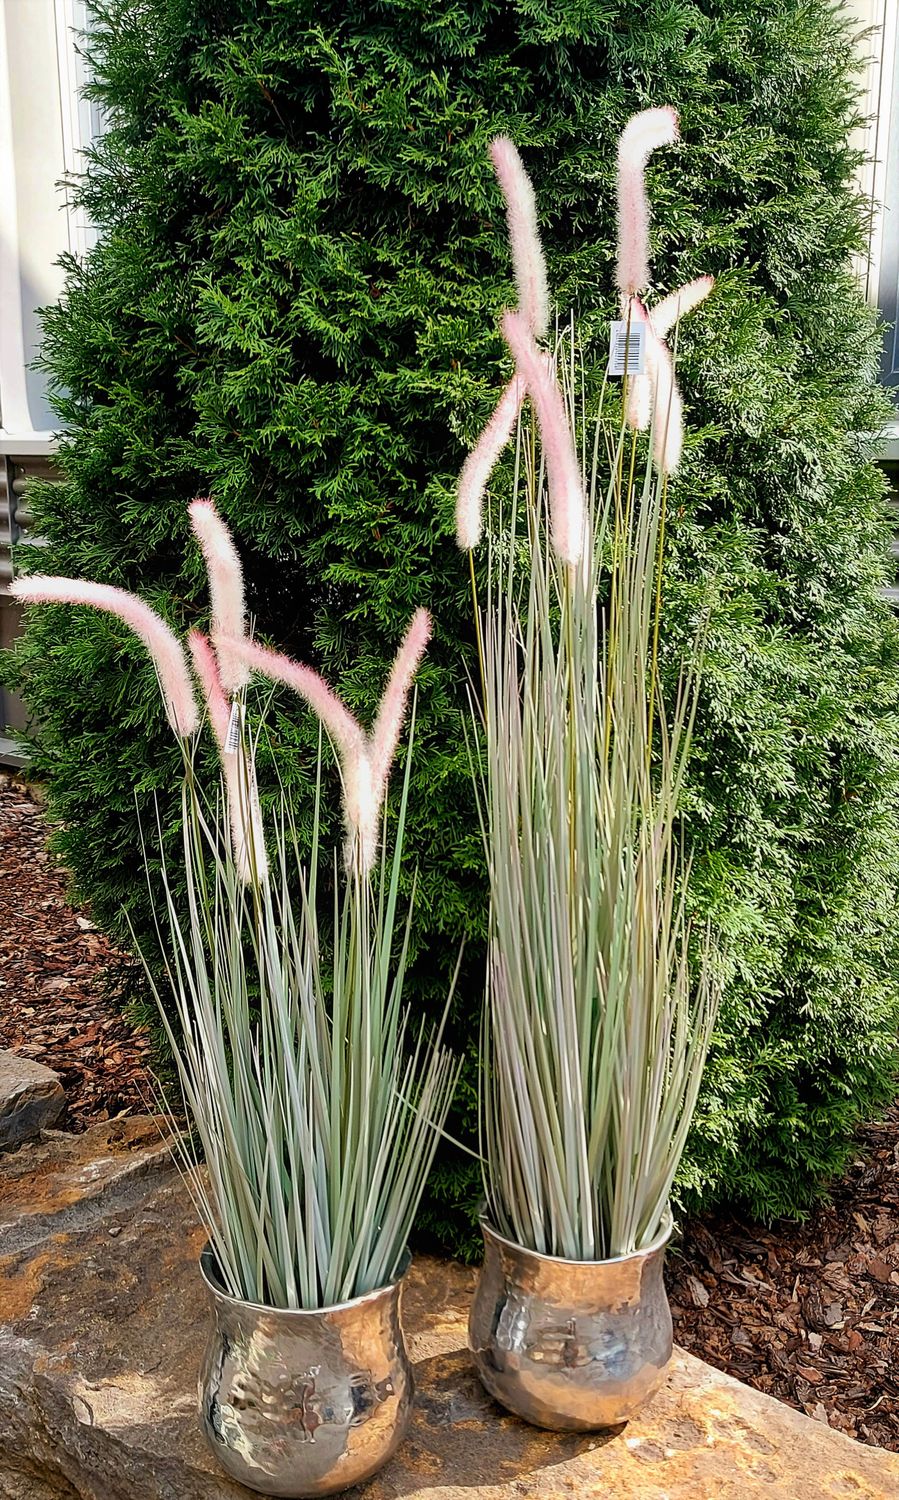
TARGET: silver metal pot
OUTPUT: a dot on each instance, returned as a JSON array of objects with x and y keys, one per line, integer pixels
[
  {"x": 570, "y": 1344},
  {"x": 304, "y": 1403}
]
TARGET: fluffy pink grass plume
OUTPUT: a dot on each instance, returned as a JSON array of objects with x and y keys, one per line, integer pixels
[
  {"x": 344, "y": 729},
  {"x": 643, "y": 134},
  {"x": 481, "y": 461},
  {"x": 244, "y": 812},
  {"x": 385, "y": 735},
  {"x": 668, "y": 412},
  {"x": 207, "y": 673},
  {"x": 226, "y": 589},
  {"x": 640, "y": 386},
  {"x": 654, "y": 395},
  {"x": 667, "y": 313},
  {"x": 162, "y": 644},
  {"x": 365, "y": 760},
  {"x": 524, "y": 234},
  {"x": 359, "y": 801},
  {"x": 566, "y": 489}
]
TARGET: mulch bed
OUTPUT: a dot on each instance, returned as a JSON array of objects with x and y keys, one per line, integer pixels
[
  {"x": 808, "y": 1312},
  {"x": 56, "y": 1000}
]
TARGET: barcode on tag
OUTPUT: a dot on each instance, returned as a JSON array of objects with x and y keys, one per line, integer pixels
[
  {"x": 627, "y": 347},
  {"x": 232, "y": 738}
]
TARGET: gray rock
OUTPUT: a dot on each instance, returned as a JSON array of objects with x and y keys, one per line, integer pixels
[
  {"x": 102, "y": 1321},
  {"x": 31, "y": 1099}
]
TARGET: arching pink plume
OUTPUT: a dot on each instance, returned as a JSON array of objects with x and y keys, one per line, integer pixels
[
  {"x": 524, "y": 234},
  {"x": 161, "y": 642},
  {"x": 226, "y": 589},
  {"x": 677, "y": 304},
  {"x": 386, "y": 732},
  {"x": 566, "y": 490},
  {"x": 336, "y": 717},
  {"x": 654, "y": 395},
  {"x": 640, "y": 386},
  {"x": 346, "y": 732},
  {"x": 364, "y": 760},
  {"x": 643, "y": 134},
  {"x": 206, "y": 669},
  {"x": 481, "y": 461},
  {"x": 361, "y": 811},
  {"x": 668, "y": 413},
  {"x": 244, "y": 812}
]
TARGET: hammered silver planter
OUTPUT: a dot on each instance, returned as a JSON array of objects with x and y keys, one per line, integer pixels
[
  {"x": 568, "y": 1344},
  {"x": 304, "y": 1403}
]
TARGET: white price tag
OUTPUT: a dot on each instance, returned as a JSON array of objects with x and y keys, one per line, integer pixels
[
  {"x": 232, "y": 738},
  {"x": 627, "y": 347}
]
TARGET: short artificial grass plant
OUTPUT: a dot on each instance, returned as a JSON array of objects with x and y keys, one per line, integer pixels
[{"x": 315, "y": 1113}]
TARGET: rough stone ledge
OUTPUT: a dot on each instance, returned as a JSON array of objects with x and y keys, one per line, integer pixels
[
  {"x": 31, "y": 1099},
  {"x": 103, "y": 1321},
  {"x": 68, "y": 1182}
]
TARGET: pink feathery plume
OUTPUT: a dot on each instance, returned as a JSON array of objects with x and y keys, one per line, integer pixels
[
  {"x": 343, "y": 728},
  {"x": 677, "y": 304},
  {"x": 668, "y": 412},
  {"x": 364, "y": 760},
  {"x": 244, "y": 812},
  {"x": 668, "y": 431},
  {"x": 643, "y": 134},
  {"x": 655, "y": 391},
  {"x": 566, "y": 490},
  {"x": 640, "y": 386},
  {"x": 225, "y": 589},
  {"x": 161, "y": 642},
  {"x": 524, "y": 235},
  {"x": 206, "y": 669},
  {"x": 480, "y": 463},
  {"x": 359, "y": 800},
  {"x": 392, "y": 710},
  {"x": 362, "y": 808}
]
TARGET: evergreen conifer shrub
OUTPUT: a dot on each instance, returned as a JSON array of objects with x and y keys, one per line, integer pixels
[{"x": 292, "y": 305}]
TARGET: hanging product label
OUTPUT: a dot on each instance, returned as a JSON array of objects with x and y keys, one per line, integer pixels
[
  {"x": 627, "y": 347},
  {"x": 232, "y": 738}
]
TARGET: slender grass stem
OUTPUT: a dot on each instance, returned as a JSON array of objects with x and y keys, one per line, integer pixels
[{"x": 478, "y": 632}]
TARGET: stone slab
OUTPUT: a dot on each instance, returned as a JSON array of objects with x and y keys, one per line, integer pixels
[
  {"x": 102, "y": 1319},
  {"x": 31, "y": 1099}
]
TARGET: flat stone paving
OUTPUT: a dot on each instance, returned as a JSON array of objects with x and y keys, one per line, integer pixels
[{"x": 102, "y": 1319}]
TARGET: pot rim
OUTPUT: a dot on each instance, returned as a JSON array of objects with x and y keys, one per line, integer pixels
[
  {"x": 207, "y": 1258},
  {"x": 659, "y": 1243}
]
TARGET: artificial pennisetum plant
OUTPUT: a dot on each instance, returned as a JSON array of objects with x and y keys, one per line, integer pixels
[
  {"x": 318, "y": 1124},
  {"x": 316, "y": 1113},
  {"x": 596, "y": 1025}
]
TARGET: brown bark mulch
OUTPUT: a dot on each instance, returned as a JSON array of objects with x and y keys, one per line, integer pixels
[
  {"x": 807, "y": 1312},
  {"x": 56, "y": 1001}
]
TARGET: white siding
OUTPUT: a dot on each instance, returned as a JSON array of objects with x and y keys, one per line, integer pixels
[
  {"x": 43, "y": 126},
  {"x": 879, "y": 270}
]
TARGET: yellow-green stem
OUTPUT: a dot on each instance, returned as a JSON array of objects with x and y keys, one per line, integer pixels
[
  {"x": 477, "y": 627},
  {"x": 657, "y": 610}
]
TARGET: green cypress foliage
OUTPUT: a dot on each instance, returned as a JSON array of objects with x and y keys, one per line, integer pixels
[{"x": 293, "y": 306}]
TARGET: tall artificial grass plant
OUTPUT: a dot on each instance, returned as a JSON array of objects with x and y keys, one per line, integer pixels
[{"x": 599, "y": 1008}]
